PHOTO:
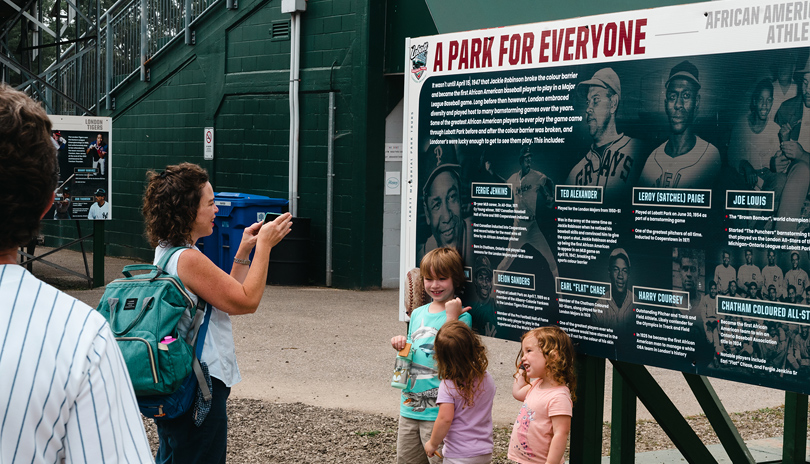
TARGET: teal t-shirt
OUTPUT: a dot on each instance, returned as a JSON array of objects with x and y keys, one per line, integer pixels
[{"x": 419, "y": 397}]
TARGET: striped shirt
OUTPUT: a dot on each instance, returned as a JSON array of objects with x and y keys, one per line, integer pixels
[{"x": 66, "y": 394}]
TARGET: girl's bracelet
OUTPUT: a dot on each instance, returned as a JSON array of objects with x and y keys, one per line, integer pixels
[{"x": 246, "y": 262}]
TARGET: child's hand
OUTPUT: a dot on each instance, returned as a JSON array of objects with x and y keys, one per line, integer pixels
[
  {"x": 520, "y": 376},
  {"x": 454, "y": 309},
  {"x": 430, "y": 449},
  {"x": 398, "y": 342},
  {"x": 520, "y": 387}
]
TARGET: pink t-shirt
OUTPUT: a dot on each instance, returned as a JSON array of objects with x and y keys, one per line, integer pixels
[
  {"x": 470, "y": 433},
  {"x": 532, "y": 432}
]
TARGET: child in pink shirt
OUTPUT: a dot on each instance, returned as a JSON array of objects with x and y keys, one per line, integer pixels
[
  {"x": 465, "y": 397},
  {"x": 540, "y": 433}
]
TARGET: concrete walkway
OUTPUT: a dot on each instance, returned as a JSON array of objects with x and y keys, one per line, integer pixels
[
  {"x": 768, "y": 450},
  {"x": 330, "y": 348}
]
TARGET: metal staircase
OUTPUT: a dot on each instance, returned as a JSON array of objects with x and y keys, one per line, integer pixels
[{"x": 73, "y": 55}]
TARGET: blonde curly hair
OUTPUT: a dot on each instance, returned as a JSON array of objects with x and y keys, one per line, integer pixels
[{"x": 558, "y": 350}]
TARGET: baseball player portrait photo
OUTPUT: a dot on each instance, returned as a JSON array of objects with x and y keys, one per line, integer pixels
[
  {"x": 101, "y": 208},
  {"x": 441, "y": 201},
  {"x": 614, "y": 159},
  {"x": 685, "y": 160},
  {"x": 98, "y": 150}
]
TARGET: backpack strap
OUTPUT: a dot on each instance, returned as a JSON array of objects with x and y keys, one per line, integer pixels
[
  {"x": 165, "y": 259},
  {"x": 199, "y": 327},
  {"x": 197, "y": 322},
  {"x": 196, "y": 335}
]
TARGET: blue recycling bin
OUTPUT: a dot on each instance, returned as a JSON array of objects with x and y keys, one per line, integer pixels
[{"x": 236, "y": 211}]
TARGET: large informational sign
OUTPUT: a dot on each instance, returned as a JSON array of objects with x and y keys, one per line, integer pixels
[
  {"x": 639, "y": 179},
  {"x": 84, "y": 148}
]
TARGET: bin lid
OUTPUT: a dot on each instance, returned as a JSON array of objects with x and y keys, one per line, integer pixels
[
  {"x": 246, "y": 199},
  {"x": 227, "y": 201}
]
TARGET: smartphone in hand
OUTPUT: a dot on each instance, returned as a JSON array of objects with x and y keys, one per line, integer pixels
[{"x": 270, "y": 217}]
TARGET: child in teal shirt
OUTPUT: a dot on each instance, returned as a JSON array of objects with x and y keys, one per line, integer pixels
[{"x": 442, "y": 271}]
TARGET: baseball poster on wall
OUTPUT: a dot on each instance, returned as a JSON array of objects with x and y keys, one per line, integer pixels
[
  {"x": 84, "y": 146},
  {"x": 639, "y": 179}
]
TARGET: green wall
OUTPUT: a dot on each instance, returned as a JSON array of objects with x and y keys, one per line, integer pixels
[{"x": 236, "y": 79}]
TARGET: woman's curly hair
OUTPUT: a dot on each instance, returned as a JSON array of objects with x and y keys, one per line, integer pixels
[
  {"x": 170, "y": 203},
  {"x": 461, "y": 357},
  {"x": 558, "y": 350},
  {"x": 29, "y": 168}
]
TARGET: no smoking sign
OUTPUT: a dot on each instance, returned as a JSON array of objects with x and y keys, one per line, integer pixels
[{"x": 208, "y": 151}]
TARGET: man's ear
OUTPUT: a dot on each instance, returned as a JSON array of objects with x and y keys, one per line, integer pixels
[
  {"x": 50, "y": 203},
  {"x": 614, "y": 103}
]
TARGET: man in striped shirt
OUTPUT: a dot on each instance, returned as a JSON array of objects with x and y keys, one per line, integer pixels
[{"x": 66, "y": 394}]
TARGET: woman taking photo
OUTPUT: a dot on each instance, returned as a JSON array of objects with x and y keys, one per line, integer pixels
[{"x": 179, "y": 210}]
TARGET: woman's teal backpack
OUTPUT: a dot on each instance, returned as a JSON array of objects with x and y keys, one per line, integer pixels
[{"x": 143, "y": 311}]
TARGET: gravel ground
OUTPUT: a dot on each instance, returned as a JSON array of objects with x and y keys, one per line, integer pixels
[{"x": 266, "y": 432}]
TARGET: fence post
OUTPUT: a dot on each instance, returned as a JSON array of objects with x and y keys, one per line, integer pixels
[
  {"x": 188, "y": 21},
  {"x": 794, "y": 446},
  {"x": 109, "y": 59},
  {"x": 586, "y": 423},
  {"x": 143, "y": 40},
  {"x": 99, "y": 252},
  {"x": 622, "y": 422}
]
